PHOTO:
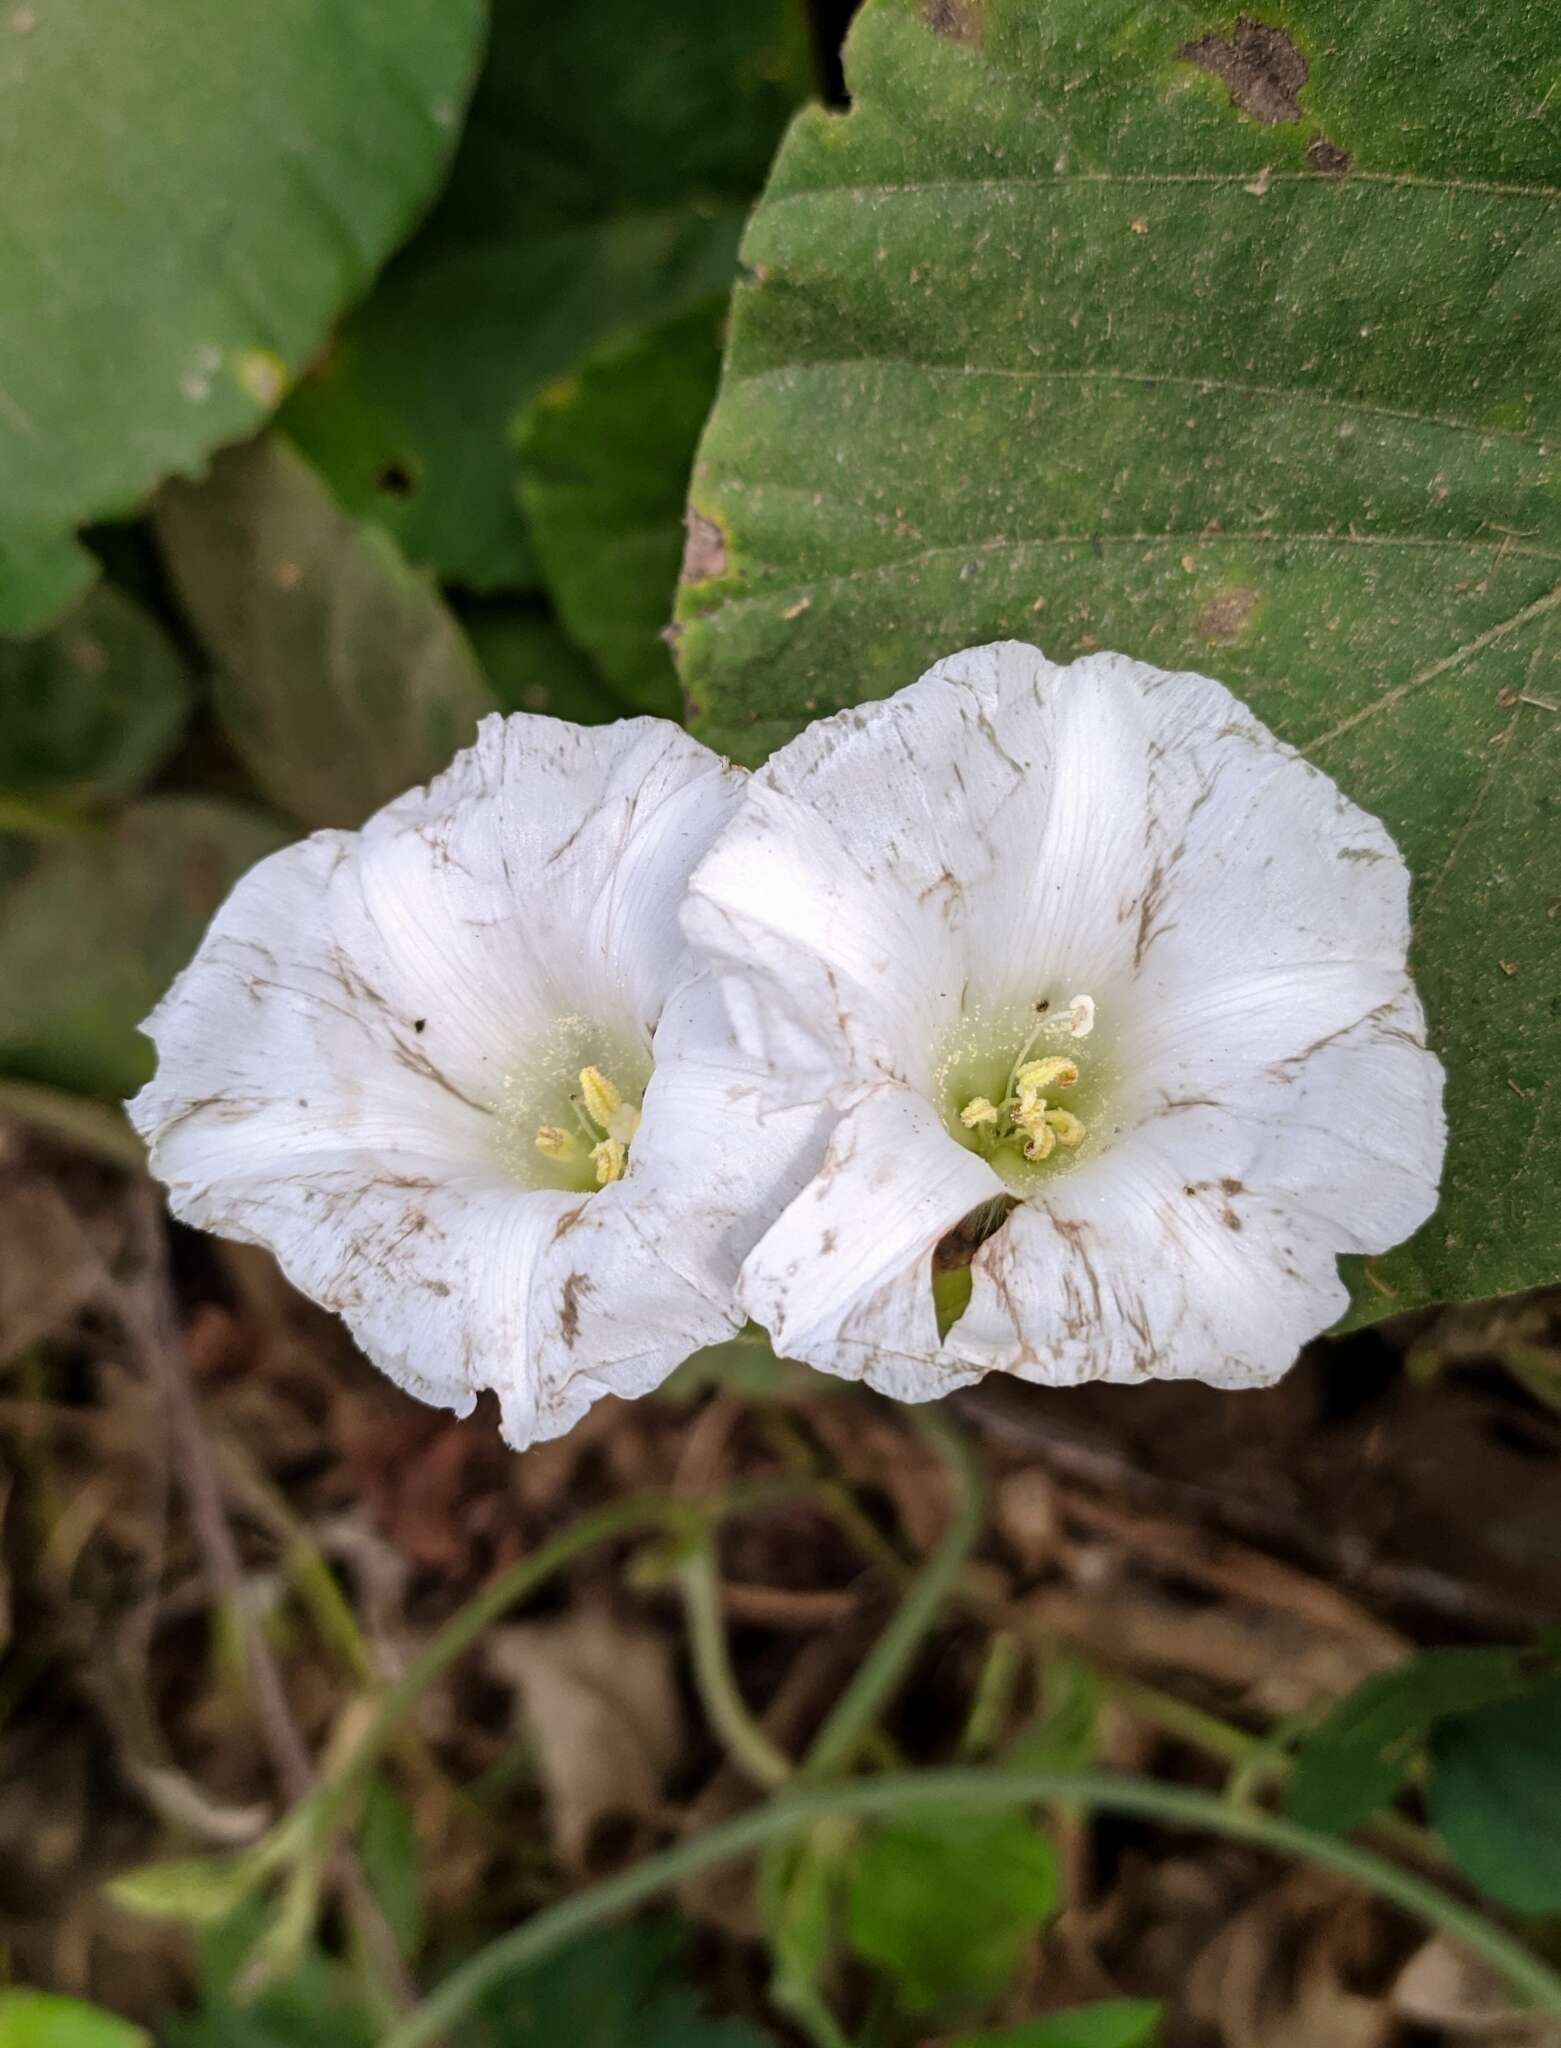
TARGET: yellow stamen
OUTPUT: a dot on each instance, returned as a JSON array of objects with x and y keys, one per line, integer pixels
[
  {"x": 554, "y": 1143},
  {"x": 600, "y": 1096},
  {"x": 1047, "y": 1073},
  {"x": 978, "y": 1111},
  {"x": 611, "y": 1159},
  {"x": 1069, "y": 1130}
]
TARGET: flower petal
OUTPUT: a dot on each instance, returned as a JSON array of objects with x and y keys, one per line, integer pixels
[
  {"x": 330, "y": 1062},
  {"x": 646, "y": 1269},
  {"x": 843, "y": 1280},
  {"x": 1006, "y": 829}
]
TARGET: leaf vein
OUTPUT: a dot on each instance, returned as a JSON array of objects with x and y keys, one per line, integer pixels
[{"x": 1158, "y": 378}]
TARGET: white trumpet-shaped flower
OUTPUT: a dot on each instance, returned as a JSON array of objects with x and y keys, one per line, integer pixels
[
  {"x": 455, "y": 1071},
  {"x": 1098, "y": 982}
]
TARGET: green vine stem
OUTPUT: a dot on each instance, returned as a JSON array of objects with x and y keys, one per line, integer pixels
[
  {"x": 793, "y": 1812},
  {"x": 746, "y": 1742},
  {"x": 856, "y": 1713}
]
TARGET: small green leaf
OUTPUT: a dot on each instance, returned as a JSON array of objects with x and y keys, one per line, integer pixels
[
  {"x": 235, "y": 175},
  {"x": 92, "y": 708},
  {"x": 618, "y": 1989},
  {"x": 198, "y": 1890},
  {"x": 318, "y": 2002},
  {"x": 1065, "y": 1732},
  {"x": 392, "y": 1858},
  {"x": 39, "y": 2019},
  {"x": 1363, "y": 1751},
  {"x": 610, "y": 155},
  {"x": 946, "y": 1906},
  {"x": 605, "y": 457},
  {"x": 94, "y": 930},
  {"x": 1495, "y": 1797},
  {"x": 1113, "y": 2023},
  {"x": 343, "y": 677},
  {"x": 530, "y": 666},
  {"x": 743, "y": 1365},
  {"x": 1082, "y": 327}
]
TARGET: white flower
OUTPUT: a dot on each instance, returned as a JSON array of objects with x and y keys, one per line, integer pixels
[
  {"x": 1098, "y": 977},
  {"x": 455, "y": 1072}
]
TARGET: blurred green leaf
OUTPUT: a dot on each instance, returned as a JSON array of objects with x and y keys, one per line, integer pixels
[
  {"x": 392, "y": 1859},
  {"x": 605, "y": 457},
  {"x": 39, "y": 2019},
  {"x": 197, "y": 1890},
  {"x": 1064, "y": 1734},
  {"x": 1363, "y": 1751},
  {"x": 531, "y": 666},
  {"x": 622, "y": 1988},
  {"x": 95, "y": 929},
  {"x": 191, "y": 194},
  {"x": 947, "y": 1905},
  {"x": 1049, "y": 337},
  {"x": 1114, "y": 2023},
  {"x": 611, "y": 152},
  {"x": 343, "y": 678},
  {"x": 93, "y": 708},
  {"x": 318, "y": 2002},
  {"x": 1495, "y": 1797}
]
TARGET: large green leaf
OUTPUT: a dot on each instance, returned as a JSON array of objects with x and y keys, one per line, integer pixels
[
  {"x": 619, "y": 1988},
  {"x": 91, "y": 708},
  {"x": 343, "y": 678},
  {"x": 191, "y": 193},
  {"x": 605, "y": 458},
  {"x": 612, "y": 149},
  {"x": 1495, "y": 1797},
  {"x": 93, "y": 932},
  {"x": 947, "y": 1905},
  {"x": 1128, "y": 323}
]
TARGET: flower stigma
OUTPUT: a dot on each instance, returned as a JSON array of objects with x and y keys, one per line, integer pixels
[
  {"x": 1020, "y": 1123},
  {"x": 567, "y": 1117}
]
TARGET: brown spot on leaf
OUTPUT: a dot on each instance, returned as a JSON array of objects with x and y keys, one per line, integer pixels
[
  {"x": 1260, "y": 66},
  {"x": 704, "y": 550},
  {"x": 1327, "y": 157},
  {"x": 1225, "y": 618},
  {"x": 959, "y": 20}
]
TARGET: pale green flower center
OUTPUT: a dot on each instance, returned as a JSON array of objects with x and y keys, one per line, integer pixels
[
  {"x": 568, "y": 1114},
  {"x": 1023, "y": 1088}
]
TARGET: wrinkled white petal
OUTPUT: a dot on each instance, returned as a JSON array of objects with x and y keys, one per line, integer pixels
[
  {"x": 843, "y": 1278},
  {"x": 711, "y": 1165},
  {"x": 1003, "y": 830},
  {"x": 331, "y": 1062}
]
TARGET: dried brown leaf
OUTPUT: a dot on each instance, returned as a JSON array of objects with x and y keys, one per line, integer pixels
[{"x": 602, "y": 1703}]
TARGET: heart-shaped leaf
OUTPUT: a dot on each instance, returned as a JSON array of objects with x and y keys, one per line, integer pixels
[
  {"x": 192, "y": 192},
  {"x": 1232, "y": 345}
]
